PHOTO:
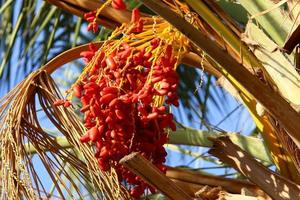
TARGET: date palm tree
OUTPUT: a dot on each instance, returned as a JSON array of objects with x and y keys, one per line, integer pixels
[{"x": 249, "y": 48}]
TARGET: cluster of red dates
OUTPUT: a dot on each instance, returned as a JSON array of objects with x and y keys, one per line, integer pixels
[
  {"x": 125, "y": 94},
  {"x": 117, "y": 101}
]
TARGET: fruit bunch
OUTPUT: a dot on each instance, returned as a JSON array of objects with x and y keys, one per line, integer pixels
[
  {"x": 117, "y": 97},
  {"x": 125, "y": 92}
]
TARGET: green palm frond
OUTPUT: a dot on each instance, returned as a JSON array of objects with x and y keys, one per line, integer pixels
[{"x": 39, "y": 31}]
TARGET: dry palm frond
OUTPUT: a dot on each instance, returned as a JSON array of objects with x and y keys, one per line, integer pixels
[
  {"x": 230, "y": 185},
  {"x": 288, "y": 144},
  {"x": 272, "y": 66},
  {"x": 186, "y": 185},
  {"x": 294, "y": 9},
  {"x": 276, "y": 186},
  {"x": 20, "y": 124},
  {"x": 293, "y": 38},
  {"x": 286, "y": 79},
  {"x": 142, "y": 167},
  {"x": 280, "y": 158}
]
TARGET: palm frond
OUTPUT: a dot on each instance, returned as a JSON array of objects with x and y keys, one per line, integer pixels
[{"x": 20, "y": 124}]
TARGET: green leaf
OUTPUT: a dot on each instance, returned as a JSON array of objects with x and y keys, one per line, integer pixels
[
  {"x": 5, "y": 5},
  {"x": 41, "y": 28},
  {"x": 11, "y": 41},
  {"x": 51, "y": 37},
  {"x": 235, "y": 10},
  {"x": 273, "y": 22},
  {"x": 77, "y": 31},
  {"x": 252, "y": 145}
]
